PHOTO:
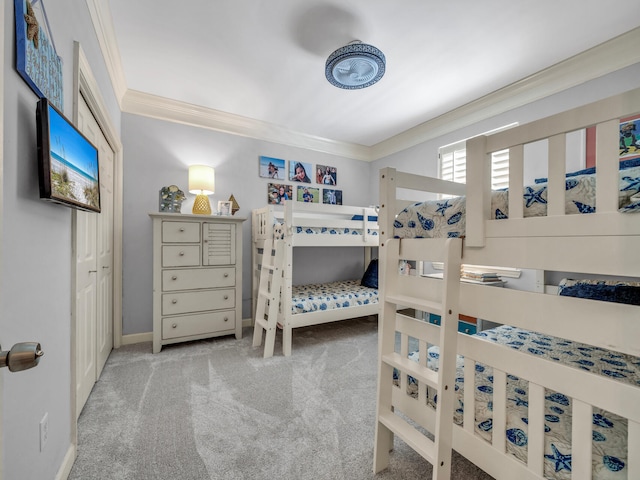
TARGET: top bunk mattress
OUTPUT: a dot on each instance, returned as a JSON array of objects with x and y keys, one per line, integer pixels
[
  {"x": 279, "y": 231},
  {"x": 446, "y": 217}
]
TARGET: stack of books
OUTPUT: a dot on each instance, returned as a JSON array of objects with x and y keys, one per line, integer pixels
[{"x": 484, "y": 277}]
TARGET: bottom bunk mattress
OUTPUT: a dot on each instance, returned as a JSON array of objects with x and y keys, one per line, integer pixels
[
  {"x": 327, "y": 296},
  {"x": 609, "y": 454}
]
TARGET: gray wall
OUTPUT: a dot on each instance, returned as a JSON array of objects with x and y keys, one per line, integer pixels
[
  {"x": 35, "y": 273},
  {"x": 158, "y": 153}
]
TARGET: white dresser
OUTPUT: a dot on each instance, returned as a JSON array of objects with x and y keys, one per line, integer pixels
[{"x": 197, "y": 277}]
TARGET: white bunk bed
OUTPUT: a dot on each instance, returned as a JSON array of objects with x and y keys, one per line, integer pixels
[
  {"x": 300, "y": 224},
  {"x": 543, "y": 385}
]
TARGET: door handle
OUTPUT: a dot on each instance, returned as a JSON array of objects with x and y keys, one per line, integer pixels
[{"x": 22, "y": 356}]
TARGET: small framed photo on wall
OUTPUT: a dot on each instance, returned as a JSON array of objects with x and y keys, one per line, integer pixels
[
  {"x": 272, "y": 168},
  {"x": 331, "y": 196},
  {"x": 308, "y": 194},
  {"x": 278, "y": 193},
  {"x": 299, "y": 171},
  {"x": 326, "y": 175}
]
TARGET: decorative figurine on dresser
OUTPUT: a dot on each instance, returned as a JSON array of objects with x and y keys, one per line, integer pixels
[{"x": 197, "y": 277}]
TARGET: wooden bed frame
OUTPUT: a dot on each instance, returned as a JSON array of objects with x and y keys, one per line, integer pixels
[
  {"x": 299, "y": 214},
  {"x": 591, "y": 244}
]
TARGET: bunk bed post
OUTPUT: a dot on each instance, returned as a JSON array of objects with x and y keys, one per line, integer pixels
[
  {"x": 384, "y": 436},
  {"x": 478, "y": 193},
  {"x": 287, "y": 292}
]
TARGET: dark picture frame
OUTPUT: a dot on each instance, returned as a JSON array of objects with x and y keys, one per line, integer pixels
[{"x": 331, "y": 196}]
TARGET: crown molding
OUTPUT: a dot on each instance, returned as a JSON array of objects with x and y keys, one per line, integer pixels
[
  {"x": 615, "y": 54},
  {"x": 103, "y": 26},
  {"x": 148, "y": 105}
]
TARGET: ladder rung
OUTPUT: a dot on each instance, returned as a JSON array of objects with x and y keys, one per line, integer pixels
[
  {"x": 410, "y": 435},
  {"x": 263, "y": 292},
  {"x": 262, "y": 322},
  {"x": 420, "y": 373},
  {"x": 416, "y": 302},
  {"x": 268, "y": 267}
]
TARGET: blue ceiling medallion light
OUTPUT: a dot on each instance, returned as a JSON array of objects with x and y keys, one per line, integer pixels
[{"x": 355, "y": 66}]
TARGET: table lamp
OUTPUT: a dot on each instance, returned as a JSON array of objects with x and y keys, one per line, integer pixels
[{"x": 201, "y": 184}]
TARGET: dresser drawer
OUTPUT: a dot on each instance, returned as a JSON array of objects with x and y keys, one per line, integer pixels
[
  {"x": 200, "y": 301},
  {"x": 468, "y": 328},
  {"x": 193, "y": 279},
  {"x": 180, "y": 232},
  {"x": 200, "y": 324},
  {"x": 181, "y": 255}
]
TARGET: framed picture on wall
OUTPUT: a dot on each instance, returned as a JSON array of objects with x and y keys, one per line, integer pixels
[
  {"x": 326, "y": 175},
  {"x": 37, "y": 61},
  {"x": 331, "y": 196},
  {"x": 278, "y": 193},
  {"x": 308, "y": 194},
  {"x": 270, "y": 167},
  {"x": 630, "y": 137},
  {"x": 299, "y": 171}
]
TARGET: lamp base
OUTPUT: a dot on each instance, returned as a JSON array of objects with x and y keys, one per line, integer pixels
[{"x": 201, "y": 205}]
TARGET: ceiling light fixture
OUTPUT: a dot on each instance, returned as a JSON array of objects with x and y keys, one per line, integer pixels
[{"x": 356, "y": 65}]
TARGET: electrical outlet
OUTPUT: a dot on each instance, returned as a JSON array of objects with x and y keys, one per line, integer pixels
[{"x": 44, "y": 431}]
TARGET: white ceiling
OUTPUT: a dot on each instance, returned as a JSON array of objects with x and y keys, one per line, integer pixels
[{"x": 265, "y": 59}]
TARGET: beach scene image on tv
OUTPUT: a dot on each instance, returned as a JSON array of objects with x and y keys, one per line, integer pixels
[{"x": 74, "y": 163}]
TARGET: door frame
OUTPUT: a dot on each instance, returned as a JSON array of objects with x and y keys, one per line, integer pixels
[
  {"x": 84, "y": 83},
  {"x": 2, "y": 59}
]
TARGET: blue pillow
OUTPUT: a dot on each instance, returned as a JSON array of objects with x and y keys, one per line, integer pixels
[
  {"x": 606, "y": 291},
  {"x": 370, "y": 278},
  {"x": 633, "y": 162}
]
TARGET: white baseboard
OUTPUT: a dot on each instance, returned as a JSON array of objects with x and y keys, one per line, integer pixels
[
  {"x": 137, "y": 338},
  {"x": 67, "y": 463},
  {"x": 247, "y": 322}
]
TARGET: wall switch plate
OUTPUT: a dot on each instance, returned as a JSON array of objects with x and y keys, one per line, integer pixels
[{"x": 44, "y": 431}]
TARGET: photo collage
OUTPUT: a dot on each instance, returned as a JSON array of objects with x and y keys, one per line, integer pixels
[{"x": 311, "y": 185}]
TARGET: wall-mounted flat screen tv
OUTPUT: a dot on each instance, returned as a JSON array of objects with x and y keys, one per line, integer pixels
[{"x": 67, "y": 161}]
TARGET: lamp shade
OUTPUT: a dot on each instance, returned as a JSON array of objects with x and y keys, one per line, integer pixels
[{"x": 201, "y": 180}]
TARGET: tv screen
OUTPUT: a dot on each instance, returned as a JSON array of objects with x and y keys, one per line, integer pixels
[{"x": 67, "y": 161}]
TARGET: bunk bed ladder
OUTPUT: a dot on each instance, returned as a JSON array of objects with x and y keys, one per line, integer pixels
[
  {"x": 389, "y": 423},
  {"x": 269, "y": 290}
]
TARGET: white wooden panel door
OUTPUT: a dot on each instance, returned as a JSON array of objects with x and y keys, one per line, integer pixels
[
  {"x": 94, "y": 266},
  {"x": 85, "y": 304},
  {"x": 104, "y": 331}
]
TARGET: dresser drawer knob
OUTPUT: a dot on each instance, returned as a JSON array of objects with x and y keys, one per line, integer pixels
[
  {"x": 226, "y": 275},
  {"x": 174, "y": 325},
  {"x": 226, "y": 297},
  {"x": 181, "y": 254},
  {"x": 182, "y": 229},
  {"x": 226, "y": 319},
  {"x": 174, "y": 277},
  {"x": 174, "y": 301}
]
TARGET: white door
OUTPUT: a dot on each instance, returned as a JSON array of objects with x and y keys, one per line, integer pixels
[{"x": 93, "y": 249}]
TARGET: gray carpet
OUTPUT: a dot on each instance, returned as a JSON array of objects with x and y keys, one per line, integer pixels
[{"x": 215, "y": 409}]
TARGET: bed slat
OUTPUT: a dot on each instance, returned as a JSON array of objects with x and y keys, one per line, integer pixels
[
  {"x": 535, "y": 445},
  {"x": 581, "y": 440}
]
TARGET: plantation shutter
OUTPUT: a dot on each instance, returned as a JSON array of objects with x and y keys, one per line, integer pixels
[
  {"x": 453, "y": 162},
  {"x": 500, "y": 170},
  {"x": 453, "y": 165}
]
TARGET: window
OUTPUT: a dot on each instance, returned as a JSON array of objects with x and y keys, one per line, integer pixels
[{"x": 452, "y": 163}]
